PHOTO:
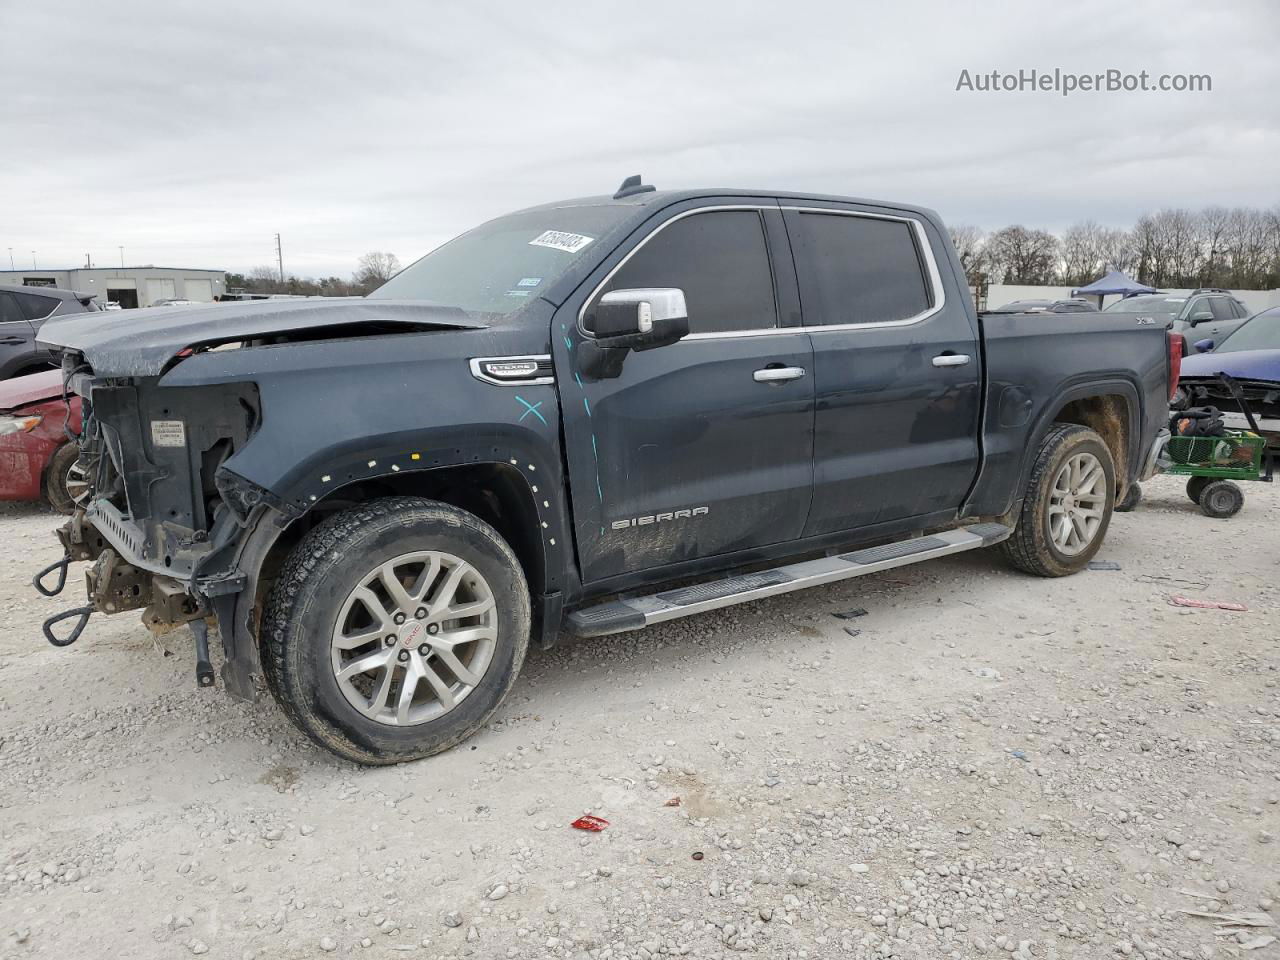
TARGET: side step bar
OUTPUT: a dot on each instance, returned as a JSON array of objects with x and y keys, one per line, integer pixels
[{"x": 618, "y": 616}]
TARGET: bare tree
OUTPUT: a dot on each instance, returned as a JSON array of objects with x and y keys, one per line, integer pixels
[
  {"x": 375, "y": 269},
  {"x": 1023, "y": 256},
  {"x": 1083, "y": 259},
  {"x": 969, "y": 247}
]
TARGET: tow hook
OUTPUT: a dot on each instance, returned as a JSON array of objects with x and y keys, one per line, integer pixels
[
  {"x": 81, "y": 612},
  {"x": 204, "y": 669},
  {"x": 61, "y": 566}
]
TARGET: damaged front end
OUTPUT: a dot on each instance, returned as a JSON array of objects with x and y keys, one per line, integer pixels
[{"x": 164, "y": 522}]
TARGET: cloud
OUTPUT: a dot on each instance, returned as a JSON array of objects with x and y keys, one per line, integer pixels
[{"x": 191, "y": 134}]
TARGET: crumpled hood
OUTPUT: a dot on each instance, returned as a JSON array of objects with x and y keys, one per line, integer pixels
[
  {"x": 142, "y": 342},
  {"x": 1243, "y": 365}
]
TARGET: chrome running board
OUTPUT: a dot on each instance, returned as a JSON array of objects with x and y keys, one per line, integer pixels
[{"x": 618, "y": 616}]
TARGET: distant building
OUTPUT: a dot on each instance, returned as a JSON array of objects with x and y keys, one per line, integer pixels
[{"x": 128, "y": 286}]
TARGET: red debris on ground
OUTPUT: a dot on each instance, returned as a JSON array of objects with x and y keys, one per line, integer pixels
[
  {"x": 1208, "y": 604},
  {"x": 590, "y": 822}
]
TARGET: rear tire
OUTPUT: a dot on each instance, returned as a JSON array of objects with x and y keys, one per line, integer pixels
[
  {"x": 358, "y": 616},
  {"x": 1195, "y": 486},
  {"x": 1221, "y": 499},
  {"x": 1067, "y": 505}
]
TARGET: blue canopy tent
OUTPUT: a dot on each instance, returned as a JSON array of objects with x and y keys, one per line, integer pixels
[{"x": 1114, "y": 283}]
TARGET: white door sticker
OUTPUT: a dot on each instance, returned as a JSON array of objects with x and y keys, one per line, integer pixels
[
  {"x": 168, "y": 433},
  {"x": 559, "y": 240}
]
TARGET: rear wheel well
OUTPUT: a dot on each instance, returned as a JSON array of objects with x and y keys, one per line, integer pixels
[
  {"x": 497, "y": 493},
  {"x": 1109, "y": 417}
]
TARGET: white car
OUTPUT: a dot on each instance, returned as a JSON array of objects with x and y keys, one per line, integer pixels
[{"x": 177, "y": 303}]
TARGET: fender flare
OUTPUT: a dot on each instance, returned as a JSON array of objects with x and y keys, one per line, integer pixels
[{"x": 1083, "y": 390}]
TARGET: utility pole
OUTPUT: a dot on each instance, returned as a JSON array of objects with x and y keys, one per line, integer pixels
[
  {"x": 280, "y": 258},
  {"x": 33, "y": 261},
  {"x": 11, "y": 266},
  {"x": 87, "y": 264},
  {"x": 121, "y": 249}
]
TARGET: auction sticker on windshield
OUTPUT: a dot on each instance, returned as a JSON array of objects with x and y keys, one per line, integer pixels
[{"x": 559, "y": 240}]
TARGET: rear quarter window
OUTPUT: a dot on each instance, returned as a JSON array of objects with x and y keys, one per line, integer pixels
[
  {"x": 858, "y": 269},
  {"x": 34, "y": 306}
]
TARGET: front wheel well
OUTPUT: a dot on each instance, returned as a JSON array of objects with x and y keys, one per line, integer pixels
[
  {"x": 497, "y": 493},
  {"x": 1110, "y": 417}
]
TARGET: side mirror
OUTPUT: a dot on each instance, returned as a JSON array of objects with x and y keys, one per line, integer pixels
[
  {"x": 1203, "y": 346},
  {"x": 1200, "y": 316},
  {"x": 639, "y": 319}
]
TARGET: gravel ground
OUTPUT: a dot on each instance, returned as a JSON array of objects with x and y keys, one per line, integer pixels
[{"x": 984, "y": 764}]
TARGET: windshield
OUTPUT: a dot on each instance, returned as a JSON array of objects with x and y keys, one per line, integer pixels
[
  {"x": 500, "y": 265},
  {"x": 1260, "y": 333},
  {"x": 1169, "y": 305}
]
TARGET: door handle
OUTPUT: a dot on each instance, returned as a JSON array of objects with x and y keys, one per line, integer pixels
[
  {"x": 951, "y": 360},
  {"x": 11, "y": 341},
  {"x": 777, "y": 374}
]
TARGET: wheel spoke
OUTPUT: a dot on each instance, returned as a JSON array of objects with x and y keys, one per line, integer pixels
[
  {"x": 379, "y": 698},
  {"x": 367, "y": 663},
  {"x": 354, "y": 640},
  {"x": 408, "y": 687},
  {"x": 428, "y": 577},
  {"x": 444, "y": 596},
  {"x": 451, "y": 639},
  {"x": 443, "y": 693},
  {"x": 374, "y": 605},
  {"x": 474, "y": 608},
  {"x": 395, "y": 589},
  {"x": 456, "y": 666}
]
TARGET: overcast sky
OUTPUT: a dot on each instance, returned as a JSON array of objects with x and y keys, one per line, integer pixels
[{"x": 190, "y": 133}]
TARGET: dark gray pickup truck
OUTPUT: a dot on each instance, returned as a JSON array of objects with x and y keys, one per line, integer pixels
[{"x": 588, "y": 416}]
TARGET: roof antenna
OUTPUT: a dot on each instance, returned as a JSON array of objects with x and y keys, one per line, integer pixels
[{"x": 631, "y": 186}]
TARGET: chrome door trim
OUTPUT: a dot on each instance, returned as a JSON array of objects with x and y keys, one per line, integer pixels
[
  {"x": 931, "y": 266},
  {"x": 582, "y": 312},
  {"x": 922, "y": 239}
]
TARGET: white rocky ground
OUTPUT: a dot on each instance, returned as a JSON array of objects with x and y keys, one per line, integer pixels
[{"x": 993, "y": 765}]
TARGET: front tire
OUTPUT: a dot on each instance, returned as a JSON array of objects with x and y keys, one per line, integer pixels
[
  {"x": 395, "y": 629},
  {"x": 65, "y": 481},
  {"x": 1067, "y": 505}
]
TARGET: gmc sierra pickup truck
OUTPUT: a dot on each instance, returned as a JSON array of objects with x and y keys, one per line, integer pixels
[{"x": 588, "y": 416}]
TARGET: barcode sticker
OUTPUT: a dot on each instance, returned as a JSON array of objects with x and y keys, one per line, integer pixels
[
  {"x": 168, "y": 433},
  {"x": 559, "y": 240}
]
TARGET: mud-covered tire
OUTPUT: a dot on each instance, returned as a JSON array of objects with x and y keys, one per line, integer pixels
[
  {"x": 1221, "y": 499},
  {"x": 1132, "y": 497},
  {"x": 55, "y": 478},
  {"x": 1195, "y": 486},
  {"x": 1032, "y": 548},
  {"x": 318, "y": 578}
]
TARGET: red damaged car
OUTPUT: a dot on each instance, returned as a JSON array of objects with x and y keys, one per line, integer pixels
[{"x": 37, "y": 459}]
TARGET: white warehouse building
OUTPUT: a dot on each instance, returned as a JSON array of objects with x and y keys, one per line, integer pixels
[{"x": 128, "y": 286}]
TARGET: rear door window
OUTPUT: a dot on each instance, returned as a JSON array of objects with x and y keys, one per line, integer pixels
[
  {"x": 34, "y": 306},
  {"x": 720, "y": 261},
  {"x": 10, "y": 312},
  {"x": 1221, "y": 308},
  {"x": 857, "y": 269}
]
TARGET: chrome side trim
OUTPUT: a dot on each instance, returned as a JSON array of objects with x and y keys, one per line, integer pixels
[
  {"x": 922, "y": 239},
  {"x": 478, "y": 372}
]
